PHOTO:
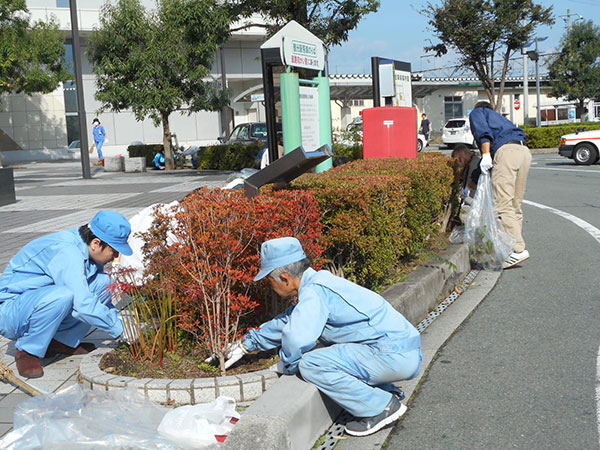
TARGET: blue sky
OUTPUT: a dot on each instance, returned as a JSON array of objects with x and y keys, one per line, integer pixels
[{"x": 399, "y": 31}]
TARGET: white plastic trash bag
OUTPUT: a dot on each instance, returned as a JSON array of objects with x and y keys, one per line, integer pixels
[
  {"x": 79, "y": 418},
  {"x": 199, "y": 426},
  {"x": 489, "y": 245}
]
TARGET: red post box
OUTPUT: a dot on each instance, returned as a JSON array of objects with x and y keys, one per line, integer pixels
[{"x": 390, "y": 132}]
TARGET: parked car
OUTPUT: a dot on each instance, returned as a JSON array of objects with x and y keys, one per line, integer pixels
[
  {"x": 356, "y": 123},
  {"x": 247, "y": 133},
  {"x": 457, "y": 131},
  {"x": 581, "y": 147},
  {"x": 421, "y": 142},
  {"x": 74, "y": 145}
]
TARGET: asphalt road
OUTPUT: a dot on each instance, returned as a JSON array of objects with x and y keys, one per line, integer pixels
[{"x": 522, "y": 371}]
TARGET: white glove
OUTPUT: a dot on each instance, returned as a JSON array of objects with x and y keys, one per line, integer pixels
[
  {"x": 278, "y": 368},
  {"x": 465, "y": 193},
  {"x": 236, "y": 352},
  {"x": 131, "y": 328},
  {"x": 486, "y": 163}
]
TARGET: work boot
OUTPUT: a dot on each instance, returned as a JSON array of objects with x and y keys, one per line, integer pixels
[
  {"x": 28, "y": 365},
  {"x": 370, "y": 425},
  {"x": 56, "y": 348}
]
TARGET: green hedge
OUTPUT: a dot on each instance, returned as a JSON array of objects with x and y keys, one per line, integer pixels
[
  {"x": 378, "y": 213},
  {"x": 549, "y": 137},
  {"x": 228, "y": 157},
  {"x": 147, "y": 151},
  {"x": 352, "y": 152}
]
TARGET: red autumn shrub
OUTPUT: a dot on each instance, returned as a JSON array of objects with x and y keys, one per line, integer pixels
[{"x": 210, "y": 268}]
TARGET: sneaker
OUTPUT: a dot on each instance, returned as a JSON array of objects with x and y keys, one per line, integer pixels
[
  {"x": 515, "y": 258},
  {"x": 56, "y": 348},
  {"x": 369, "y": 425},
  {"x": 28, "y": 365}
]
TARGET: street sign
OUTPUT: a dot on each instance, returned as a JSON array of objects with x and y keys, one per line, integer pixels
[
  {"x": 257, "y": 97},
  {"x": 517, "y": 104}
]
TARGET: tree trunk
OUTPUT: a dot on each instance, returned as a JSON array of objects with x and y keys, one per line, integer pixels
[
  {"x": 169, "y": 159},
  {"x": 581, "y": 109}
]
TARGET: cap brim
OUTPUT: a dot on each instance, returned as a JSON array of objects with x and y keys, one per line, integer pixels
[
  {"x": 124, "y": 249},
  {"x": 263, "y": 273}
]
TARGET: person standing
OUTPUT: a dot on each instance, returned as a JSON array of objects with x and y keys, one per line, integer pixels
[
  {"x": 366, "y": 343},
  {"x": 99, "y": 138},
  {"x": 425, "y": 126},
  {"x": 54, "y": 290},
  {"x": 503, "y": 149}
]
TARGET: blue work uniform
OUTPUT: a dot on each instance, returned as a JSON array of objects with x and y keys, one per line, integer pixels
[
  {"x": 99, "y": 137},
  {"x": 159, "y": 160},
  {"x": 367, "y": 343},
  {"x": 52, "y": 289},
  {"x": 489, "y": 126}
]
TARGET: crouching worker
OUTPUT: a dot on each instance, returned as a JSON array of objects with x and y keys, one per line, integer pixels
[
  {"x": 367, "y": 343},
  {"x": 55, "y": 289}
]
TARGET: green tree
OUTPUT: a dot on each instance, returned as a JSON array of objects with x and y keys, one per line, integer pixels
[
  {"x": 329, "y": 20},
  {"x": 485, "y": 34},
  {"x": 31, "y": 55},
  {"x": 575, "y": 72},
  {"x": 158, "y": 61}
]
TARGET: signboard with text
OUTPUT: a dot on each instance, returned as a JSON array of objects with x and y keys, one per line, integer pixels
[
  {"x": 303, "y": 53},
  {"x": 392, "y": 81},
  {"x": 309, "y": 117}
]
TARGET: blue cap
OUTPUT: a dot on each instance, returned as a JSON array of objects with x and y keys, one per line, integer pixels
[
  {"x": 277, "y": 253},
  {"x": 112, "y": 228}
]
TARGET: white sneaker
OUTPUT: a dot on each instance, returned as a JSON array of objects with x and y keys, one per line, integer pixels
[{"x": 515, "y": 258}]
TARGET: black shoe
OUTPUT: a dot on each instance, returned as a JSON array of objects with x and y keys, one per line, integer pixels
[{"x": 369, "y": 425}]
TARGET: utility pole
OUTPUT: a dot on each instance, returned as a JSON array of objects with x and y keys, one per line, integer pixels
[
  {"x": 567, "y": 19},
  {"x": 537, "y": 84},
  {"x": 83, "y": 141},
  {"x": 525, "y": 87}
]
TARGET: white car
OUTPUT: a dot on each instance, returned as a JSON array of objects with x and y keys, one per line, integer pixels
[
  {"x": 581, "y": 147},
  {"x": 457, "y": 131},
  {"x": 421, "y": 142}
]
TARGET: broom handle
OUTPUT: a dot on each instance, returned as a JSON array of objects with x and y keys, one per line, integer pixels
[{"x": 6, "y": 374}]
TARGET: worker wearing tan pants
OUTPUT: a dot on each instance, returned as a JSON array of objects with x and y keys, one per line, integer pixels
[
  {"x": 503, "y": 149},
  {"x": 509, "y": 177}
]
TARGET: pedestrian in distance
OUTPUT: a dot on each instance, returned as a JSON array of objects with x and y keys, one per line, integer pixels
[
  {"x": 54, "y": 290},
  {"x": 365, "y": 344},
  {"x": 425, "y": 126},
  {"x": 503, "y": 149},
  {"x": 99, "y": 139}
]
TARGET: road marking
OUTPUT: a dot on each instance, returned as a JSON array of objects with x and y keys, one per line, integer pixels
[
  {"x": 568, "y": 170},
  {"x": 595, "y": 233}
]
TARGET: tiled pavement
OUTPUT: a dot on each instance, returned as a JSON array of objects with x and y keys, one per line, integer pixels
[{"x": 53, "y": 196}]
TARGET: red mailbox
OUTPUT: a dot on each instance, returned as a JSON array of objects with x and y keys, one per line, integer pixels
[{"x": 390, "y": 132}]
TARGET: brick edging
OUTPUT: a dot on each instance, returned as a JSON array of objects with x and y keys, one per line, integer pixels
[{"x": 242, "y": 388}]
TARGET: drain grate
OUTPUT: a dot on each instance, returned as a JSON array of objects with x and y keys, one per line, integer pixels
[
  {"x": 447, "y": 301},
  {"x": 336, "y": 431}
]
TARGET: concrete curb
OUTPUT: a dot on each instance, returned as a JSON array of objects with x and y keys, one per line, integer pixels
[
  {"x": 293, "y": 414},
  {"x": 242, "y": 388}
]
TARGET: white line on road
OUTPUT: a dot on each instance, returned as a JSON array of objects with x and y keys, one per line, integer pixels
[
  {"x": 595, "y": 233},
  {"x": 567, "y": 170}
]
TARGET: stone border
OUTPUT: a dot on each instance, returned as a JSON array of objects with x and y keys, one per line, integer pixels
[{"x": 243, "y": 388}]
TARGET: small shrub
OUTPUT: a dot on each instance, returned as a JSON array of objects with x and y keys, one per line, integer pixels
[
  {"x": 210, "y": 268},
  {"x": 228, "y": 157},
  {"x": 352, "y": 152}
]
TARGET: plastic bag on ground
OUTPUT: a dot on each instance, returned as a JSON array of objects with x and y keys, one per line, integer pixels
[
  {"x": 79, "y": 418},
  {"x": 489, "y": 245},
  {"x": 198, "y": 426}
]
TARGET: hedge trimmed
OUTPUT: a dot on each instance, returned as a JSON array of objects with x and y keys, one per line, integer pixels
[
  {"x": 379, "y": 212},
  {"x": 147, "y": 151},
  {"x": 549, "y": 137},
  {"x": 352, "y": 152},
  {"x": 228, "y": 157}
]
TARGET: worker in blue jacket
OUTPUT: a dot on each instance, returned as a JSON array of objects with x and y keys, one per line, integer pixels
[
  {"x": 55, "y": 289},
  {"x": 99, "y": 137},
  {"x": 366, "y": 343}
]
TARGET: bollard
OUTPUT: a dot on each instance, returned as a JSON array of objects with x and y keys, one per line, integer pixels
[
  {"x": 114, "y": 164},
  {"x": 135, "y": 164}
]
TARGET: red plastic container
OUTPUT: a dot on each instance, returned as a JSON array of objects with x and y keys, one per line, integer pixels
[{"x": 390, "y": 132}]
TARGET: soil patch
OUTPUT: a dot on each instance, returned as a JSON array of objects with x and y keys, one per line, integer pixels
[{"x": 175, "y": 365}]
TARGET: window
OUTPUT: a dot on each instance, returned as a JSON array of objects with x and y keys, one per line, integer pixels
[
  {"x": 357, "y": 103},
  {"x": 243, "y": 134},
  {"x": 259, "y": 131},
  {"x": 563, "y": 113},
  {"x": 63, "y": 4},
  {"x": 453, "y": 107}
]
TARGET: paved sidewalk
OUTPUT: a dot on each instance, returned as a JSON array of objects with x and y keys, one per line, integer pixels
[{"x": 53, "y": 196}]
